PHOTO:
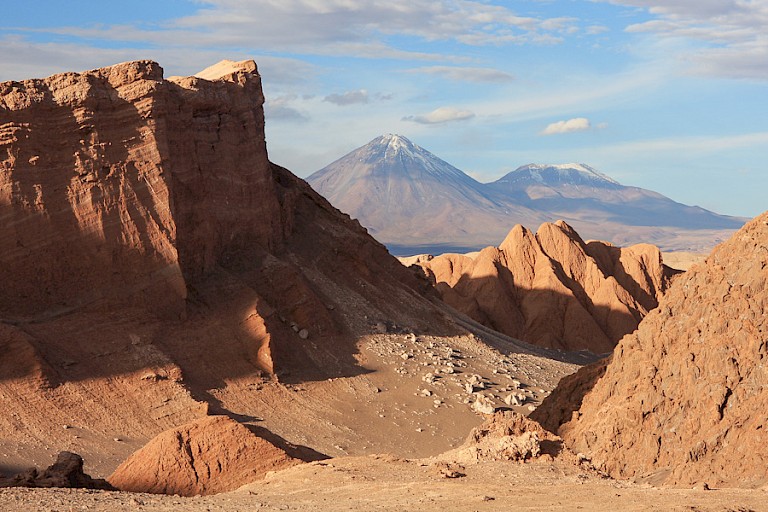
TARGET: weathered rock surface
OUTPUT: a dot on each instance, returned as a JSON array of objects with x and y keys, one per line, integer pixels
[
  {"x": 153, "y": 258},
  {"x": 553, "y": 289},
  {"x": 683, "y": 399},
  {"x": 207, "y": 456},
  {"x": 505, "y": 435},
  {"x": 66, "y": 472}
]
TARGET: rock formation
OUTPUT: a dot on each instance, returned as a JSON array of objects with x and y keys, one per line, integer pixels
[
  {"x": 207, "y": 456},
  {"x": 508, "y": 436},
  {"x": 683, "y": 399},
  {"x": 152, "y": 257},
  {"x": 66, "y": 472},
  {"x": 553, "y": 289}
]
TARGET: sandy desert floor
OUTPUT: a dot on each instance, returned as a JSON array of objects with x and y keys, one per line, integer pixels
[
  {"x": 682, "y": 260},
  {"x": 382, "y": 482}
]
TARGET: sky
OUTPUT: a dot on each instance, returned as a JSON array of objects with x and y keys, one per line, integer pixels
[{"x": 669, "y": 95}]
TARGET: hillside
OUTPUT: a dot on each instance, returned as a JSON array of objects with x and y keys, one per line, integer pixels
[
  {"x": 682, "y": 400},
  {"x": 157, "y": 268}
]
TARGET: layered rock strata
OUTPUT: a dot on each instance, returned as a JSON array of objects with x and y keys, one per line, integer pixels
[
  {"x": 207, "y": 456},
  {"x": 152, "y": 257}
]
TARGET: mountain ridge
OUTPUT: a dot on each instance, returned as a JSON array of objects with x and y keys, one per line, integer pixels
[{"x": 413, "y": 201}]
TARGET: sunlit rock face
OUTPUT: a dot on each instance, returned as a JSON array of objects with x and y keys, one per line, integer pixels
[
  {"x": 682, "y": 399},
  {"x": 553, "y": 289},
  {"x": 153, "y": 259}
]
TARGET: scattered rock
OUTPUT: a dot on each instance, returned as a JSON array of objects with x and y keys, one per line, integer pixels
[
  {"x": 67, "y": 471},
  {"x": 483, "y": 405},
  {"x": 505, "y": 436},
  {"x": 448, "y": 469}
]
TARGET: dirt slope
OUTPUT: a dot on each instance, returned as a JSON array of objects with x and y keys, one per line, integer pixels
[{"x": 684, "y": 398}]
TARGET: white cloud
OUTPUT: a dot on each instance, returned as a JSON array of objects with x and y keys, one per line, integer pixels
[
  {"x": 441, "y": 115},
  {"x": 282, "y": 108},
  {"x": 466, "y": 74},
  {"x": 727, "y": 38},
  {"x": 338, "y": 27},
  {"x": 348, "y": 98},
  {"x": 22, "y": 59},
  {"x": 577, "y": 124}
]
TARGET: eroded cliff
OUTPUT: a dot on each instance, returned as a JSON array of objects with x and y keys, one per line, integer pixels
[
  {"x": 153, "y": 260},
  {"x": 553, "y": 289},
  {"x": 683, "y": 399}
]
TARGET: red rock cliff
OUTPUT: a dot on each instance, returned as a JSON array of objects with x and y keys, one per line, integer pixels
[{"x": 153, "y": 259}]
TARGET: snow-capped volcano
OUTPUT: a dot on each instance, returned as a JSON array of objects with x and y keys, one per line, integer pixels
[
  {"x": 408, "y": 197},
  {"x": 390, "y": 155},
  {"x": 558, "y": 174}
]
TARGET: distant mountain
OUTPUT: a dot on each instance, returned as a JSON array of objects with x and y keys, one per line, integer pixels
[
  {"x": 577, "y": 190},
  {"x": 413, "y": 201},
  {"x": 406, "y": 196}
]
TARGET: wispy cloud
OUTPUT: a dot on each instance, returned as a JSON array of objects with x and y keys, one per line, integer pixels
[
  {"x": 348, "y": 98},
  {"x": 22, "y": 58},
  {"x": 339, "y": 27},
  {"x": 466, "y": 74},
  {"x": 441, "y": 115},
  {"x": 281, "y": 108},
  {"x": 729, "y": 38},
  {"x": 577, "y": 124},
  {"x": 693, "y": 144}
]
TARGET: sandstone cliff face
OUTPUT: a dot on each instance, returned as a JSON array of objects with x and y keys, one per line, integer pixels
[
  {"x": 553, "y": 289},
  {"x": 152, "y": 257},
  {"x": 684, "y": 398}
]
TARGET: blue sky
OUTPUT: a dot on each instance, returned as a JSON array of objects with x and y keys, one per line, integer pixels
[{"x": 667, "y": 95}]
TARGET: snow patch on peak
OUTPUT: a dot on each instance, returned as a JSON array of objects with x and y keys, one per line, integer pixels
[
  {"x": 584, "y": 168},
  {"x": 544, "y": 173}
]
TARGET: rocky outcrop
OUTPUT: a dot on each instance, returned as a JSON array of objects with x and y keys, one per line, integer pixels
[
  {"x": 152, "y": 256},
  {"x": 508, "y": 436},
  {"x": 66, "y": 472},
  {"x": 208, "y": 456},
  {"x": 683, "y": 399},
  {"x": 553, "y": 289}
]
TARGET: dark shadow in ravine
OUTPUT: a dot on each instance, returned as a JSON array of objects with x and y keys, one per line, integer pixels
[{"x": 293, "y": 450}]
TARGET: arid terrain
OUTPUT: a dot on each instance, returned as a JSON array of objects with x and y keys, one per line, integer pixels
[
  {"x": 379, "y": 482},
  {"x": 195, "y": 320},
  {"x": 553, "y": 289}
]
